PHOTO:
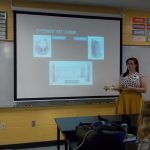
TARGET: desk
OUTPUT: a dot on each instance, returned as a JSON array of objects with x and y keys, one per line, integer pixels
[{"x": 68, "y": 125}]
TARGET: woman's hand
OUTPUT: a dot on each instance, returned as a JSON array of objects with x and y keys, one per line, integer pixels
[
  {"x": 116, "y": 88},
  {"x": 129, "y": 88},
  {"x": 139, "y": 90}
]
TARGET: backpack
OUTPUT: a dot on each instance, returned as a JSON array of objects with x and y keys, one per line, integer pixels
[{"x": 101, "y": 135}]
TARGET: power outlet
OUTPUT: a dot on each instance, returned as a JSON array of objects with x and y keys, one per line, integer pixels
[
  {"x": 33, "y": 123},
  {"x": 2, "y": 125}
]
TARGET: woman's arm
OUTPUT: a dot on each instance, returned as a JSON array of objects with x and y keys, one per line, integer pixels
[{"x": 117, "y": 88}]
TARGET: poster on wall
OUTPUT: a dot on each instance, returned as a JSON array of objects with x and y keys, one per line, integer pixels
[
  {"x": 148, "y": 29},
  {"x": 138, "y": 20},
  {"x": 3, "y": 25},
  {"x": 139, "y": 29},
  {"x": 139, "y": 38}
]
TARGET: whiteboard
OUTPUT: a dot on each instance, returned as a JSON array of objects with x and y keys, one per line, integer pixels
[
  {"x": 6, "y": 74},
  {"x": 142, "y": 53}
]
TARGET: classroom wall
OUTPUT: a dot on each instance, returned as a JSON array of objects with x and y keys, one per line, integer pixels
[
  {"x": 16, "y": 123},
  {"x": 127, "y": 26},
  {"x": 6, "y": 6}
]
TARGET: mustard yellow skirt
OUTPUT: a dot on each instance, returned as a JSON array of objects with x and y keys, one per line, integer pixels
[{"x": 129, "y": 103}]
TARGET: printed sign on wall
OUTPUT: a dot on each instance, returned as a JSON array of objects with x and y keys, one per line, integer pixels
[
  {"x": 138, "y": 29},
  {"x": 148, "y": 29},
  {"x": 3, "y": 25}
]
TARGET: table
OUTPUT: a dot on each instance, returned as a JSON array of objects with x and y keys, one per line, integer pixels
[{"x": 67, "y": 126}]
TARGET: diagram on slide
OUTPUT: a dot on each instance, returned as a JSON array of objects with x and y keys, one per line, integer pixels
[
  {"x": 95, "y": 47},
  {"x": 70, "y": 73},
  {"x": 42, "y": 46}
]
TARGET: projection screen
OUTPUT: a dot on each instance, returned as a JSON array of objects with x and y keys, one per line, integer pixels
[{"x": 64, "y": 56}]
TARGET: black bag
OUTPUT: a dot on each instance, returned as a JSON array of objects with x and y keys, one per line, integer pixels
[
  {"x": 101, "y": 135},
  {"x": 81, "y": 130}
]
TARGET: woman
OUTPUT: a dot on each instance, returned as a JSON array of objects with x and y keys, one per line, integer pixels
[
  {"x": 131, "y": 86},
  {"x": 143, "y": 133}
]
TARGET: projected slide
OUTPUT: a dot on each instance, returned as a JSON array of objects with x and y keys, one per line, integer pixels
[
  {"x": 41, "y": 46},
  {"x": 95, "y": 47},
  {"x": 70, "y": 73}
]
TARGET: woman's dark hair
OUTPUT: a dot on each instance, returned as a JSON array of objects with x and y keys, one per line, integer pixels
[{"x": 135, "y": 62}]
